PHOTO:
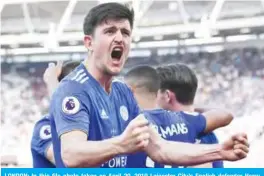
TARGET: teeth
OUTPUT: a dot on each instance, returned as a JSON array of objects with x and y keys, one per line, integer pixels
[{"x": 117, "y": 49}]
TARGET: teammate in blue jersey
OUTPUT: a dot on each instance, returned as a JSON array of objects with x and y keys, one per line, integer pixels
[
  {"x": 178, "y": 89},
  {"x": 41, "y": 145},
  {"x": 174, "y": 126},
  {"x": 95, "y": 120}
]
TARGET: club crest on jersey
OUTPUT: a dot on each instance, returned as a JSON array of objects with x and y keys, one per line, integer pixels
[
  {"x": 70, "y": 105},
  {"x": 45, "y": 132},
  {"x": 124, "y": 112}
]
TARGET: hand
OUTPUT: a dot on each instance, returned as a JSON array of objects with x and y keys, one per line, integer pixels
[
  {"x": 52, "y": 73},
  {"x": 136, "y": 135},
  {"x": 235, "y": 148},
  {"x": 155, "y": 142}
]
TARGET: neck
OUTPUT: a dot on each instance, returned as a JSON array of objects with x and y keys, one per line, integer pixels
[
  {"x": 103, "y": 79},
  {"x": 147, "y": 102},
  {"x": 181, "y": 107}
]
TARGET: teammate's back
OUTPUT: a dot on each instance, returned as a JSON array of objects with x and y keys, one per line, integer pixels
[
  {"x": 180, "y": 83},
  {"x": 181, "y": 123},
  {"x": 173, "y": 126}
]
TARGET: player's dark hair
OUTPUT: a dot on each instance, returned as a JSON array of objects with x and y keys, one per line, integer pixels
[
  {"x": 67, "y": 68},
  {"x": 179, "y": 79},
  {"x": 144, "y": 77},
  {"x": 104, "y": 12}
]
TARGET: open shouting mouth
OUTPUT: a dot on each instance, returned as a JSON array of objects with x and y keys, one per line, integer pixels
[{"x": 117, "y": 53}]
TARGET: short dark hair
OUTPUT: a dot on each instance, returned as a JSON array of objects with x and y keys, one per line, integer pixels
[
  {"x": 179, "y": 79},
  {"x": 106, "y": 11},
  {"x": 144, "y": 77},
  {"x": 67, "y": 68}
]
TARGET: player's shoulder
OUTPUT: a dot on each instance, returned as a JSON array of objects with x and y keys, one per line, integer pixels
[
  {"x": 155, "y": 111},
  {"x": 162, "y": 113},
  {"x": 42, "y": 128},
  {"x": 191, "y": 116},
  {"x": 74, "y": 81},
  {"x": 190, "y": 113}
]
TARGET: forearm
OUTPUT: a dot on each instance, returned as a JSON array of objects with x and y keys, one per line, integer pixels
[
  {"x": 217, "y": 118},
  {"x": 177, "y": 153},
  {"x": 52, "y": 86},
  {"x": 90, "y": 153}
]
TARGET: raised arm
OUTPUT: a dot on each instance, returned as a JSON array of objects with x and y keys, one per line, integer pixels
[{"x": 50, "y": 76}]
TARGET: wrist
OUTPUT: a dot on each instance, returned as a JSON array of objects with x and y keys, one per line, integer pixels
[
  {"x": 219, "y": 148},
  {"x": 118, "y": 145}
]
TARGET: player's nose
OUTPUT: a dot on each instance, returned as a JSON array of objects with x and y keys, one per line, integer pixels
[{"x": 118, "y": 37}]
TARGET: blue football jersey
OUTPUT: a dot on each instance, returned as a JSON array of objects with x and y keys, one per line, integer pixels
[
  {"x": 40, "y": 142},
  {"x": 211, "y": 138},
  {"x": 80, "y": 103},
  {"x": 172, "y": 126}
]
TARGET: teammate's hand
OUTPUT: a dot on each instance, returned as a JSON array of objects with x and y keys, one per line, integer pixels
[
  {"x": 235, "y": 148},
  {"x": 154, "y": 147},
  {"x": 136, "y": 135},
  {"x": 52, "y": 73}
]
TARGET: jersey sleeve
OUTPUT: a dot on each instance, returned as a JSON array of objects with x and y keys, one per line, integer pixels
[
  {"x": 41, "y": 139},
  {"x": 197, "y": 120},
  {"x": 70, "y": 108}
]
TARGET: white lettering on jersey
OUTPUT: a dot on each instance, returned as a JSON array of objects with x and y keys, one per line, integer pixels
[
  {"x": 120, "y": 161},
  {"x": 173, "y": 129}
]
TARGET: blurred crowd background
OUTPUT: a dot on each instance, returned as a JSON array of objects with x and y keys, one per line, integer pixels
[{"x": 222, "y": 41}]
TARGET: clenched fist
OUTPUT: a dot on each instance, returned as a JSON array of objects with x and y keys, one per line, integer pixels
[{"x": 136, "y": 135}]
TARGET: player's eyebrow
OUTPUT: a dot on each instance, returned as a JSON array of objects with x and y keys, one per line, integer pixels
[{"x": 123, "y": 29}]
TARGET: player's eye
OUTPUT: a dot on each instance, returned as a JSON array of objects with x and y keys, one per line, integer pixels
[
  {"x": 110, "y": 31},
  {"x": 126, "y": 33}
]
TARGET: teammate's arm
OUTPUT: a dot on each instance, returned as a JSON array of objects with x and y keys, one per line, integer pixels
[
  {"x": 177, "y": 153},
  {"x": 216, "y": 118},
  {"x": 51, "y": 75},
  {"x": 50, "y": 78}
]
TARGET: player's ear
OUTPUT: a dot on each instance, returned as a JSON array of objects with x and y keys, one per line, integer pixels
[
  {"x": 88, "y": 42},
  {"x": 167, "y": 96}
]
